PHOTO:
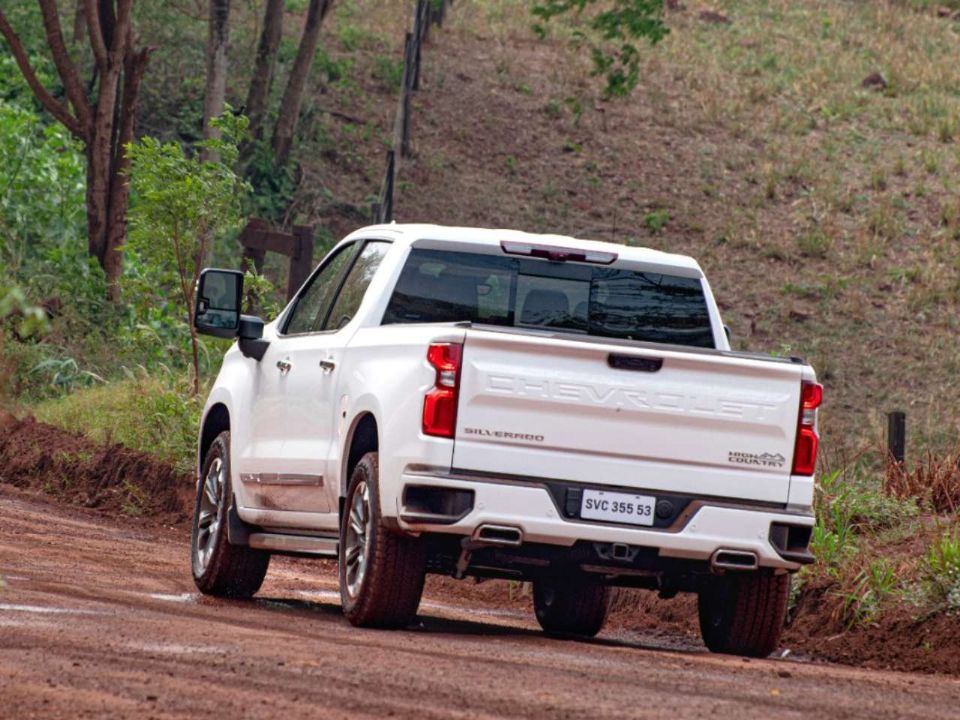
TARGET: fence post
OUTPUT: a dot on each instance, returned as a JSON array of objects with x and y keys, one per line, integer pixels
[
  {"x": 386, "y": 199},
  {"x": 897, "y": 436},
  {"x": 301, "y": 261},
  {"x": 419, "y": 33},
  {"x": 408, "y": 72}
]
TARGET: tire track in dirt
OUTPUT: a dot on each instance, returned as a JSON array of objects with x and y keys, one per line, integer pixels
[{"x": 99, "y": 617}]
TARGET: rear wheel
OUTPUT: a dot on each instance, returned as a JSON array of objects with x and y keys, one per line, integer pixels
[
  {"x": 576, "y": 606},
  {"x": 220, "y": 568},
  {"x": 743, "y": 614},
  {"x": 381, "y": 571}
]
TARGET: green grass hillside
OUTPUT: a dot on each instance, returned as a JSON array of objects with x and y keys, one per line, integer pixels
[{"x": 826, "y": 212}]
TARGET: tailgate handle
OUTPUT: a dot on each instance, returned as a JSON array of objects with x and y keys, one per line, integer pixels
[{"x": 632, "y": 362}]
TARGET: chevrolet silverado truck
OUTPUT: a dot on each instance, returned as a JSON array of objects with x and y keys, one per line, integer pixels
[{"x": 496, "y": 404}]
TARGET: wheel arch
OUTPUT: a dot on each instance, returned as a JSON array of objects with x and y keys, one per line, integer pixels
[
  {"x": 364, "y": 437},
  {"x": 215, "y": 422}
]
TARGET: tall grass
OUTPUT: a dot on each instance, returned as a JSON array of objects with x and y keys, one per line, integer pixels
[{"x": 148, "y": 413}]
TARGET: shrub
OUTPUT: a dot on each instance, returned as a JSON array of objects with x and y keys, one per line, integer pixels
[
  {"x": 182, "y": 203},
  {"x": 935, "y": 482},
  {"x": 42, "y": 191},
  {"x": 942, "y": 570}
]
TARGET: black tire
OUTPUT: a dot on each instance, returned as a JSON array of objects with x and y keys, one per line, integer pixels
[
  {"x": 572, "y": 606},
  {"x": 386, "y": 594},
  {"x": 743, "y": 613},
  {"x": 218, "y": 567}
]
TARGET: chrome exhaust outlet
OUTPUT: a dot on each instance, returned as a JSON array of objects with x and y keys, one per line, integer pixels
[
  {"x": 497, "y": 535},
  {"x": 486, "y": 535},
  {"x": 733, "y": 560}
]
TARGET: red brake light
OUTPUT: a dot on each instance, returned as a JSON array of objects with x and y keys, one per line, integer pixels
[
  {"x": 805, "y": 450},
  {"x": 558, "y": 254},
  {"x": 440, "y": 404}
]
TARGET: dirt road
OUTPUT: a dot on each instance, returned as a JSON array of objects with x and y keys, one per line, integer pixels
[{"x": 99, "y": 618}]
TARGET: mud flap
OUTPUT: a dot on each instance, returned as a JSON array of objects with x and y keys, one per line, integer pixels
[{"x": 238, "y": 532}]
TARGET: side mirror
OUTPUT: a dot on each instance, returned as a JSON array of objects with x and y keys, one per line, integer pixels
[
  {"x": 217, "y": 312},
  {"x": 218, "y": 299},
  {"x": 726, "y": 331}
]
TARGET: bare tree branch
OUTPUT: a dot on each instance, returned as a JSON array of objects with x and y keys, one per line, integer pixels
[
  {"x": 43, "y": 95},
  {"x": 286, "y": 125},
  {"x": 61, "y": 58},
  {"x": 124, "y": 10},
  {"x": 96, "y": 33},
  {"x": 266, "y": 60},
  {"x": 215, "y": 94}
]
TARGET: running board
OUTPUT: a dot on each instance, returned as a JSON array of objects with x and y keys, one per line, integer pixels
[{"x": 299, "y": 544}]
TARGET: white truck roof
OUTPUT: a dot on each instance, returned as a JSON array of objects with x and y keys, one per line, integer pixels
[{"x": 411, "y": 232}]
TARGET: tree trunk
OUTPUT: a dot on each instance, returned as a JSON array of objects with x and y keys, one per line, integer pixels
[
  {"x": 297, "y": 82},
  {"x": 216, "y": 68},
  {"x": 104, "y": 126},
  {"x": 134, "y": 67},
  {"x": 79, "y": 23},
  {"x": 266, "y": 61}
]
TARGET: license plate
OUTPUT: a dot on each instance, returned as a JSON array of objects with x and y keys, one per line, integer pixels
[{"x": 617, "y": 507}]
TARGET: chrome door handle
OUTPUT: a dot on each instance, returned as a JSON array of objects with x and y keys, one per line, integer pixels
[
  {"x": 327, "y": 365},
  {"x": 284, "y": 366}
]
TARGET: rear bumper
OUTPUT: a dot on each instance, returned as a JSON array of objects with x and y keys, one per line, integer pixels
[{"x": 707, "y": 527}]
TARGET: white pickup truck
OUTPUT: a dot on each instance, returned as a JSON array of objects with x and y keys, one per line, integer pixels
[{"x": 496, "y": 404}]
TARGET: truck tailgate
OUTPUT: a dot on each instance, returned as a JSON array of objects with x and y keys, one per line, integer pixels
[{"x": 589, "y": 411}]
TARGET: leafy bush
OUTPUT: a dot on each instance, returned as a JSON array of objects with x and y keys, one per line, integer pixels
[
  {"x": 20, "y": 317},
  {"x": 612, "y": 32},
  {"x": 182, "y": 203},
  {"x": 42, "y": 186},
  {"x": 942, "y": 569}
]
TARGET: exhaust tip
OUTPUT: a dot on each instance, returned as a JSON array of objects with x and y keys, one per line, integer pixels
[
  {"x": 734, "y": 560},
  {"x": 498, "y": 535}
]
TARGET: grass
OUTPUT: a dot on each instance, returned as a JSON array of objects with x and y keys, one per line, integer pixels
[
  {"x": 816, "y": 176},
  {"x": 144, "y": 413},
  {"x": 871, "y": 518},
  {"x": 942, "y": 568}
]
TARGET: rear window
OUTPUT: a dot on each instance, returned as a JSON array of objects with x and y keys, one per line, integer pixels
[{"x": 448, "y": 286}]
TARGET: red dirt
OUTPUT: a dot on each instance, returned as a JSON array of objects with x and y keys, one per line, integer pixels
[
  {"x": 99, "y": 618},
  {"x": 75, "y": 469},
  {"x": 119, "y": 482}
]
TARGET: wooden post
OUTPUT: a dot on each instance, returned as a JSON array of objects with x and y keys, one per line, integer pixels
[
  {"x": 301, "y": 261},
  {"x": 389, "y": 179},
  {"x": 897, "y": 436},
  {"x": 408, "y": 70},
  {"x": 258, "y": 238},
  {"x": 418, "y": 35},
  {"x": 253, "y": 257}
]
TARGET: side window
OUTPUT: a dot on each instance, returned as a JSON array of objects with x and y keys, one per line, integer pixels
[
  {"x": 314, "y": 300},
  {"x": 356, "y": 284}
]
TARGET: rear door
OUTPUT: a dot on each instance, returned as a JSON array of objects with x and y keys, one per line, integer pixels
[{"x": 688, "y": 422}]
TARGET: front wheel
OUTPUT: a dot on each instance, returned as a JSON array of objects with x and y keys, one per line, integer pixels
[
  {"x": 575, "y": 606},
  {"x": 743, "y": 614},
  {"x": 220, "y": 568},
  {"x": 381, "y": 572}
]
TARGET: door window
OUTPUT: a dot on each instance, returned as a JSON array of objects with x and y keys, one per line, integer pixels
[
  {"x": 356, "y": 283},
  {"x": 314, "y": 301}
]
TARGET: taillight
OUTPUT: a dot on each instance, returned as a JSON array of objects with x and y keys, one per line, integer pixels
[
  {"x": 440, "y": 404},
  {"x": 805, "y": 452}
]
